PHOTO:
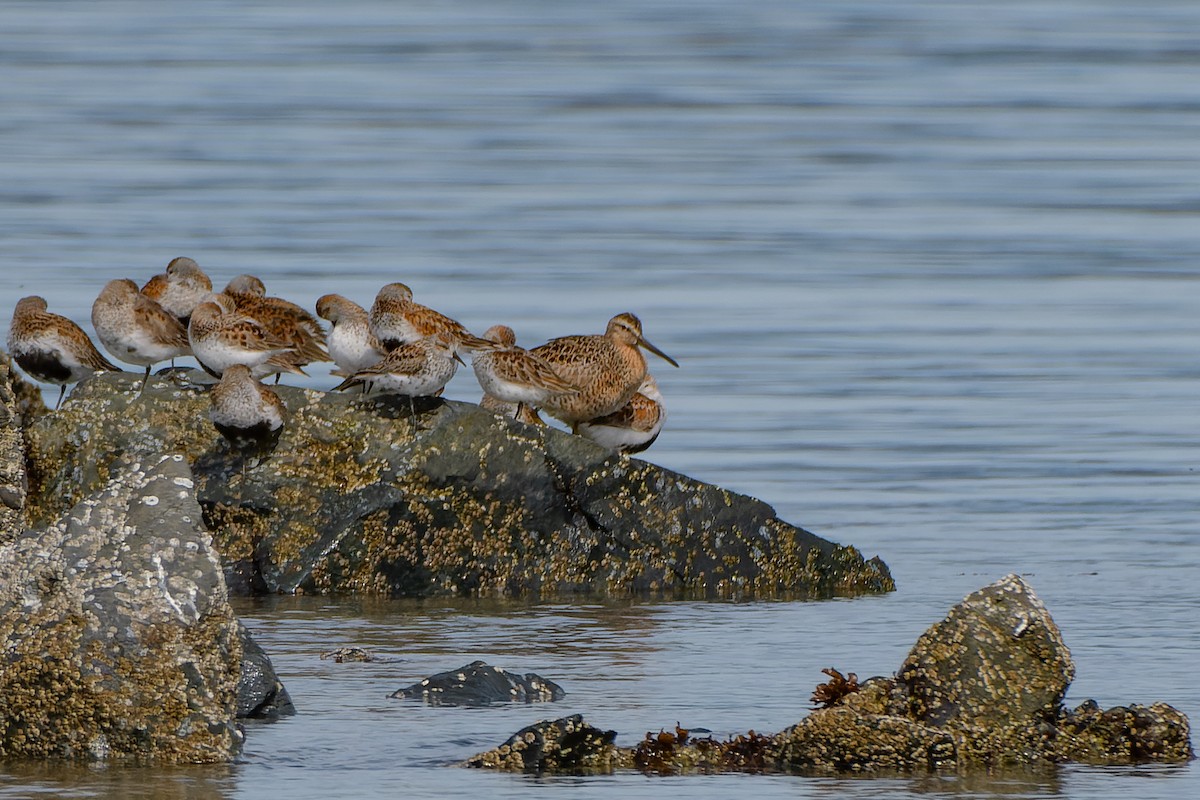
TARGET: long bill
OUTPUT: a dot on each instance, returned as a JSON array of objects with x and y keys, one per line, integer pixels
[{"x": 646, "y": 344}]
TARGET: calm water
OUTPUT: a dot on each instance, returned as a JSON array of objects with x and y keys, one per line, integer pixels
[{"x": 931, "y": 270}]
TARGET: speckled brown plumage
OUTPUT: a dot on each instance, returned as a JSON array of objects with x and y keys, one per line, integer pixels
[
  {"x": 285, "y": 320},
  {"x": 608, "y": 368},
  {"x": 135, "y": 329},
  {"x": 510, "y": 373},
  {"x": 396, "y": 319},
  {"x": 52, "y": 348},
  {"x": 179, "y": 289},
  {"x": 222, "y": 338},
  {"x": 351, "y": 344},
  {"x": 634, "y": 426}
]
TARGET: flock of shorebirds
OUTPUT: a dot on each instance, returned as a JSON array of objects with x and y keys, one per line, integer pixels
[{"x": 597, "y": 384}]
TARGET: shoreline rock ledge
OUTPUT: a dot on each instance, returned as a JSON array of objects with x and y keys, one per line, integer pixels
[{"x": 359, "y": 495}]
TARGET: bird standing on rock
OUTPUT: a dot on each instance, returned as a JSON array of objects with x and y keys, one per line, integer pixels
[
  {"x": 52, "y": 348},
  {"x": 511, "y": 374},
  {"x": 135, "y": 329},
  {"x": 179, "y": 289},
  {"x": 607, "y": 368},
  {"x": 396, "y": 319},
  {"x": 248, "y": 414}
]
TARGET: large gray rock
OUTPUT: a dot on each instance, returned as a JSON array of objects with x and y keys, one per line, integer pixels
[
  {"x": 360, "y": 496},
  {"x": 119, "y": 640}
]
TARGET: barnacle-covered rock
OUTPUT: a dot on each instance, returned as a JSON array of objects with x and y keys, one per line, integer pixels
[
  {"x": 981, "y": 688},
  {"x": 119, "y": 640},
  {"x": 17, "y": 401},
  {"x": 567, "y": 745},
  {"x": 359, "y": 495},
  {"x": 479, "y": 684}
]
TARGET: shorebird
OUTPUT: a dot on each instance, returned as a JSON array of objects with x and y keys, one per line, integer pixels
[
  {"x": 179, "y": 289},
  {"x": 285, "y": 320},
  {"x": 634, "y": 426},
  {"x": 511, "y": 374},
  {"x": 518, "y": 411},
  {"x": 351, "y": 344},
  {"x": 135, "y": 329},
  {"x": 396, "y": 319},
  {"x": 244, "y": 411},
  {"x": 420, "y": 369},
  {"x": 608, "y": 368},
  {"x": 222, "y": 337},
  {"x": 52, "y": 348}
]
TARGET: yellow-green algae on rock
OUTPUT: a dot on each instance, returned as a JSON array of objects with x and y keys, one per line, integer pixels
[
  {"x": 981, "y": 690},
  {"x": 360, "y": 495}
]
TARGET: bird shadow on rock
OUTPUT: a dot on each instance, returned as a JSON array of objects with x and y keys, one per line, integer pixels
[{"x": 398, "y": 406}]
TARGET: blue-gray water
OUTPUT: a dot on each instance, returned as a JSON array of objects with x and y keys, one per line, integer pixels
[{"x": 931, "y": 270}]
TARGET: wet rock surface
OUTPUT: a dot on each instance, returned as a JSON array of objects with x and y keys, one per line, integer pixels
[
  {"x": 982, "y": 689},
  {"x": 261, "y": 695},
  {"x": 479, "y": 684},
  {"x": 361, "y": 496},
  {"x": 120, "y": 644},
  {"x": 567, "y": 745}
]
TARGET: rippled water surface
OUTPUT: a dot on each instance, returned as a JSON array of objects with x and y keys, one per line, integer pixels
[{"x": 931, "y": 270}]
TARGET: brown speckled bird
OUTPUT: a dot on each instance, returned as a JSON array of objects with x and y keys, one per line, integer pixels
[
  {"x": 634, "y": 426},
  {"x": 351, "y": 344},
  {"x": 135, "y": 329},
  {"x": 52, "y": 348},
  {"x": 221, "y": 338},
  {"x": 608, "y": 368},
  {"x": 285, "y": 320},
  {"x": 511, "y": 374},
  {"x": 244, "y": 411},
  {"x": 396, "y": 319},
  {"x": 179, "y": 289}
]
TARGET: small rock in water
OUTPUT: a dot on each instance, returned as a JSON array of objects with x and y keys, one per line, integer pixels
[
  {"x": 343, "y": 654},
  {"x": 479, "y": 684}
]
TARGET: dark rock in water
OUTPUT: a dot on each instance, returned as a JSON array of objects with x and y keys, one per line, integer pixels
[
  {"x": 261, "y": 695},
  {"x": 479, "y": 684},
  {"x": 980, "y": 690},
  {"x": 361, "y": 496},
  {"x": 567, "y": 745},
  {"x": 119, "y": 640}
]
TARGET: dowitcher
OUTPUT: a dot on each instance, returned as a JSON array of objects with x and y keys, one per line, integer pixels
[
  {"x": 608, "y": 368},
  {"x": 221, "y": 338},
  {"x": 396, "y": 319},
  {"x": 511, "y": 374},
  {"x": 135, "y": 329},
  {"x": 52, "y": 348},
  {"x": 179, "y": 289},
  {"x": 351, "y": 344},
  {"x": 634, "y": 426}
]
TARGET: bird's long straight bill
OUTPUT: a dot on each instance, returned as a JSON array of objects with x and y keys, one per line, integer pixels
[{"x": 646, "y": 344}]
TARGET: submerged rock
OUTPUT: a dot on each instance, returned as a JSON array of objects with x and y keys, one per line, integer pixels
[
  {"x": 567, "y": 745},
  {"x": 981, "y": 689},
  {"x": 479, "y": 684},
  {"x": 359, "y": 495},
  {"x": 119, "y": 640}
]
